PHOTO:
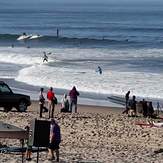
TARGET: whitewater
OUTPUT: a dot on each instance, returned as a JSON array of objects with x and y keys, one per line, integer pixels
[
  {"x": 77, "y": 66},
  {"x": 125, "y": 41}
]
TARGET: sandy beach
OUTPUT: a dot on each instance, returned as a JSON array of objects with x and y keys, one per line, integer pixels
[
  {"x": 94, "y": 134},
  {"x": 105, "y": 49}
]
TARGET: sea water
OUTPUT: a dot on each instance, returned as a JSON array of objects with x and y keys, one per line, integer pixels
[{"x": 125, "y": 41}]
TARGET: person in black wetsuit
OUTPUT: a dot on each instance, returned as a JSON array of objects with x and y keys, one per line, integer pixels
[
  {"x": 45, "y": 57},
  {"x": 99, "y": 69},
  {"x": 127, "y": 102}
]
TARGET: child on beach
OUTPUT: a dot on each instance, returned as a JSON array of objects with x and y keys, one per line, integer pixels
[
  {"x": 65, "y": 104},
  {"x": 29, "y": 147}
]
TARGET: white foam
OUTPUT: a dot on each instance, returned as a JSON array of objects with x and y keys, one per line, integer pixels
[
  {"x": 114, "y": 82},
  {"x": 116, "y": 79},
  {"x": 21, "y": 56}
]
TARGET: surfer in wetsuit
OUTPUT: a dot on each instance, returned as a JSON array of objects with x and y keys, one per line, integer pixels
[
  {"x": 45, "y": 57},
  {"x": 24, "y": 34},
  {"x": 99, "y": 69},
  {"x": 57, "y": 32}
]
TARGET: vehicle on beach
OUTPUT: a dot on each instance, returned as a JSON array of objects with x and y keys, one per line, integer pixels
[{"x": 9, "y": 99}]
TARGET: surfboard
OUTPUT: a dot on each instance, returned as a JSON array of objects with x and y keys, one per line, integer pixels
[
  {"x": 35, "y": 37},
  {"x": 23, "y": 37},
  {"x": 117, "y": 100},
  {"x": 19, "y": 149}
]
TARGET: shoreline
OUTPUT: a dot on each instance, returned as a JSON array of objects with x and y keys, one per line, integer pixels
[
  {"x": 84, "y": 98},
  {"x": 33, "y": 91},
  {"x": 82, "y": 108}
]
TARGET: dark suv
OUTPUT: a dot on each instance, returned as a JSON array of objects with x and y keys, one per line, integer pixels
[{"x": 8, "y": 99}]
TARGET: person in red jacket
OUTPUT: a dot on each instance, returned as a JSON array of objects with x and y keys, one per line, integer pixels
[
  {"x": 51, "y": 105},
  {"x": 73, "y": 98}
]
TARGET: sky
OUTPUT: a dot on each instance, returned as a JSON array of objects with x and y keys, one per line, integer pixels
[
  {"x": 51, "y": 3},
  {"x": 85, "y": 1}
]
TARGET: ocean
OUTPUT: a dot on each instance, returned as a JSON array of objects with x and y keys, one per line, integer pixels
[{"x": 125, "y": 41}]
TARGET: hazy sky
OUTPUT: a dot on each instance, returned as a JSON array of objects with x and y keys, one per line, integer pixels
[{"x": 85, "y": 1}]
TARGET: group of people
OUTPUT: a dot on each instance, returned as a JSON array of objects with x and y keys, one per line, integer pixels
[
  {"x": 55, "y": 134},
  {"x": 130, "y": 105},
  {"x": 145, "y": 107},
  {"x": 69, "y": 101},
  {"x": 51, "y": 103},
  {"x": 67, "y": 104}
]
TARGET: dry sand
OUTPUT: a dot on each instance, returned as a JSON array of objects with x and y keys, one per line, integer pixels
[{"x": 95, "y": 134}]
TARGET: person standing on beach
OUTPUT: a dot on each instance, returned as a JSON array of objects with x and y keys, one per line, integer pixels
[
  {"x": 150, "y": 109},
  {"x": 51, "y": 105},
  {"x": 41, "y": 101},
  {"x": 127, "y": 96},
  {"x": 73, "y": 98},
  {"x": 133, "y": 111},
  {"x": 158, "y": 108},
  {"x": 145, "y": 108},
  {"x": 55, "y": 139}
]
